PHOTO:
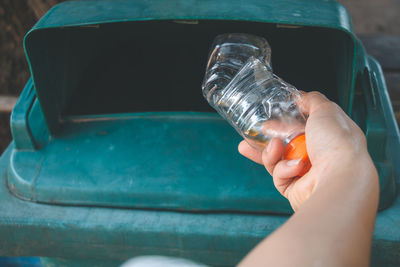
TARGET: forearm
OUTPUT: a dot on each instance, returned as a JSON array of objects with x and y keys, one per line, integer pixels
[{"x": 332, "y": 228}]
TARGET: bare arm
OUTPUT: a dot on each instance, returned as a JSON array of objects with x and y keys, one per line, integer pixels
[{"x": 335, "y": 202}]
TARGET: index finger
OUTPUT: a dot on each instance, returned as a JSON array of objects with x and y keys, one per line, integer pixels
[
  {"x": 312, "y": 101},
  {"x": 249, "y": 152}
]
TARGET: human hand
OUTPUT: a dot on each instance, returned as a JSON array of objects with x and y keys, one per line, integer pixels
[{"x": 333, "y": 142}]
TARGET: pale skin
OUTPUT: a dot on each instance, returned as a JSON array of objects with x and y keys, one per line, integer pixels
[{"x": 335, "y": 203}]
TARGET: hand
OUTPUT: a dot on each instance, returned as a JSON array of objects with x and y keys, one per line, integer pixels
[
  {"x": 333, "y": 141},
  {"x": 335, "y": 201}
]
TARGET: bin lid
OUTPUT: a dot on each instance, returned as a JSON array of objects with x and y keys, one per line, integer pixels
[
  {"x": 55, "y": 60},
  {"x": 155, "y": 160}
]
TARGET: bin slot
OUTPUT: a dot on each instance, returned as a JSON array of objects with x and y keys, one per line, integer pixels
[{"x": 159, "y": 65}]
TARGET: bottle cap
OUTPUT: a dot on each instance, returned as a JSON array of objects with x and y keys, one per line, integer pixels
[{"x": 296, "y": 149}]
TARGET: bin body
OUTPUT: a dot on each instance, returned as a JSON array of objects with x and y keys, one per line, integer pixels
[{"x": 116, "y": 154}]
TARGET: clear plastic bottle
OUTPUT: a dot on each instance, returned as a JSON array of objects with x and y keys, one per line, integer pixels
[
  {"x": 228, "y": 55},
  {"x": 240, "y": 85}
]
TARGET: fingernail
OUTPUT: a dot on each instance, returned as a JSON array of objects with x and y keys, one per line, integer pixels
[
  {"x": 293, "y": 162},
  {"x": 269, "y": 146}
]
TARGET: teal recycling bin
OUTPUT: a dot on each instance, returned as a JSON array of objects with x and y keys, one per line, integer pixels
[{"x": 116, "y": 154}]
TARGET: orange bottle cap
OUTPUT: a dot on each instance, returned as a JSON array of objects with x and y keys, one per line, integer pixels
[{"x": 296, "y": 149}]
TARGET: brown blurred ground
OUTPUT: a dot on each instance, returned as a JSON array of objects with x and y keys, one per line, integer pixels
[
  {"x": 18, "y": 16},
  {"x": 374, "y": 16}
]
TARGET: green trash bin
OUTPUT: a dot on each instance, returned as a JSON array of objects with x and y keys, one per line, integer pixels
[{"x": 116, "y": 154}]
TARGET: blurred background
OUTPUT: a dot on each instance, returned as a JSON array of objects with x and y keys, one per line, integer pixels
[{"x": 376, "y": 22}]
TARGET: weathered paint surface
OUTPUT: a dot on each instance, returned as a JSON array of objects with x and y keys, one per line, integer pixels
[{"x": 95, "y": 210}]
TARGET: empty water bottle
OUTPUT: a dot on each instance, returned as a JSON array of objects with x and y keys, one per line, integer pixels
[
  {"x": 240, "y": 85},
  {"x": 229, "y": 53}
]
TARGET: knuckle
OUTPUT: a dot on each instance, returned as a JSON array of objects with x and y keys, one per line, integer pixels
[
  {"x": 318, "y": 96},
  {"x": 314, "y": 93},
  {"x": 332, "y": 106},
  {"x": 362, "y": 138},
  {"x": 327, "y": 106}
]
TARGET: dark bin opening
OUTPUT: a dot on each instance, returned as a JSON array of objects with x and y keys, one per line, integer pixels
[{"x": 159, "y": 65}]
